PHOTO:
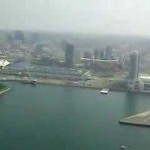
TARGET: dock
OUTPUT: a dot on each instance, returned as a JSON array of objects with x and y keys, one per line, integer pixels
[{"x": 141, "y": 119}]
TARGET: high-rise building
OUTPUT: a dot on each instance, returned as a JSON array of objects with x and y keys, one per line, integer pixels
[
  {"x": 69, "y": 55},
  {"x": 102, "y": 54},
  {"x": 134, "y": 66},
  {"x": 96, "y": 54},
  {"x": 106, "y": 54}
]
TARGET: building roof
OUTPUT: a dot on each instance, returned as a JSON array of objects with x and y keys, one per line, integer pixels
[
  {"x": 4, "y": 63},
  {"x": 99, "y": 60},
  {"x": 145, "y": 77}
]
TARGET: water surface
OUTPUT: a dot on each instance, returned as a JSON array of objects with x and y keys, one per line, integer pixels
[{"x": 45, "y": 117}]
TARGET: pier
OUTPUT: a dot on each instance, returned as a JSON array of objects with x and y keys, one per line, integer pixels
[{"x": 141, "y": 119}]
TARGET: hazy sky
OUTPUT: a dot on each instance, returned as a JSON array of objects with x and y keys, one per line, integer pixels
[{"x": 90, "y": 16}]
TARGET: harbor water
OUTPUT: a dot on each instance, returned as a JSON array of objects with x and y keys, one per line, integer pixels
[{"x": 46, "y": 117}]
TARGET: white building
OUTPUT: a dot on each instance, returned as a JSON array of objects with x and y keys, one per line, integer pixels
[{"x": 4, "y": 63}]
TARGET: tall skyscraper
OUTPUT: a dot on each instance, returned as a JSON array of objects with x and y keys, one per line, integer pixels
[
  {"x": 69, "y": 55},
  {"x": 134, "y": 66}
]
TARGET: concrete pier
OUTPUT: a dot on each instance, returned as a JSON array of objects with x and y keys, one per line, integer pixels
[{"x": 141, "y": 119}]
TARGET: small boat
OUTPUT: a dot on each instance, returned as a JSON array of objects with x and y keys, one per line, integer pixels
[
  {"x": 28, "y": 81},
  {"x": 104, "y": 91},
  {"x": 33, "y": 82},
  {"x": 123, "y": 147}
]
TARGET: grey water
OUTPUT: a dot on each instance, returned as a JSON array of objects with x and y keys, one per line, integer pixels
[{"x": 46, "y": 117}]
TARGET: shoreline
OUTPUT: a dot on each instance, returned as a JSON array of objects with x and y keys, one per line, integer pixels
[
  {"x": 69, "y": 83},
  {"x": 94, "y": 84},
  {"x": 60, "y": 84},
  {"x": 4, "y": 91},
  {"x": 56, "y": 82}
]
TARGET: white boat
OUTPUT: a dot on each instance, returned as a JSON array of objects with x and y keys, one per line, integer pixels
[
  {"x": 123, "y": 147},
  {"x": 104, "y": 91}
]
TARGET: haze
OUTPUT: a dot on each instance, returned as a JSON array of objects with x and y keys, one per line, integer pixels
[{"x": 130, "y": 17}]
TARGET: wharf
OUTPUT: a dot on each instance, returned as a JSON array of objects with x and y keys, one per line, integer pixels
[{"x": 141, "y": 119}]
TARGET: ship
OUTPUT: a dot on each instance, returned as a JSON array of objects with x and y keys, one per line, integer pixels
[{"x": 104, "y": 91}]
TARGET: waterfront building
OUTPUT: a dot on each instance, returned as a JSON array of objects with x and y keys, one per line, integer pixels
[
  {"x": 134, "y": 82},
  {"x": 102, "y": 54},
  {"x": 4, "y": 63},
  {"x": 96, "y": 54},
  {"x": 101, "y": 65},
  {"x": 134, "y": 66},
  {"x": 108, "y": 53},
  {"x": 69, "y": 55}
]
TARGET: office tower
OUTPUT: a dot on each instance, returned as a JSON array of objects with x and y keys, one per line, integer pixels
[
  {"x": 96, "y": 54},
  {"x": 134, "y": 66},
  {"x": 69, "y": 55}
]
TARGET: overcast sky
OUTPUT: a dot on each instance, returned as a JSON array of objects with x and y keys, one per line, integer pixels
[{"x": 90, "y": 16}]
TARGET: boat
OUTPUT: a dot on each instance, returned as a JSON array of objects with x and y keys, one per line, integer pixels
[
  {"x": 123, "y": 147},
  {"x": 28, "y": 81},
  {"x": 104, "y": 91}
]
